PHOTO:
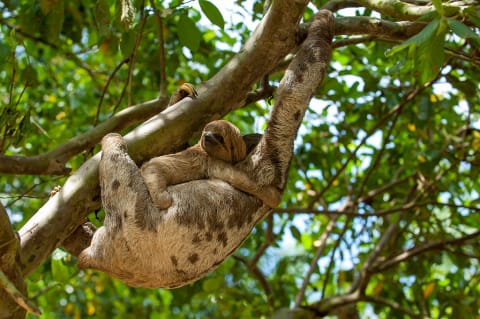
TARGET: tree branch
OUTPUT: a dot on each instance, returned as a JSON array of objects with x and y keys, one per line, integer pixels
[
  {"x": 314, "y": 262},
  {"x": 53, "y": 162},
  {"x": 381, "y": 29},
  {"x": 12, "y": 287},
  {"x": 391, "y": 262},
  {"x": 408, "y": 11},
  {"x": 407, "y": 98},
  {"x": 392, "y": 304}
]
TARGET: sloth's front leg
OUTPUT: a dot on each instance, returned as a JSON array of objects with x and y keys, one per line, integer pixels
[{"x": 270, "y": 195}]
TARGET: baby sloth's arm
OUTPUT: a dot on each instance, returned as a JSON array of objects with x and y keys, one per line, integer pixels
[
  {"x": 172, "y": 169},
  {"x": 226, "y": 172}
]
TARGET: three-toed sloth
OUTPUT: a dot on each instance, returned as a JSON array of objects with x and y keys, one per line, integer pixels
[
  {"x": 208, "y": 218},
  {"x": 138, "y": 208},
  {"x": 220, "y": 144}
]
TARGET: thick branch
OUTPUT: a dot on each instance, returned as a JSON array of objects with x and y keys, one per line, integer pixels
[
  {"x": 12, "y": 287},
  {"x": 408, "y": 11},
  {"x": 63, "y": 213},
  {"x": 53, "y": 162},
  {"x": 380, "y": 29}
]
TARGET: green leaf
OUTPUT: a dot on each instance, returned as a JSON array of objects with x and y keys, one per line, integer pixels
[
  {"x": 189, "y": 35},
  {"x": 127, "y": 43},
  {"x": 213, "y": 284},
  {"x": 418, "y": 39},
  {"x": 429, "y": 64},
  {"x": 212, "y": 13},
  {"x": 438, "y": 6},
  {"x": 461, "y": 29},
  {"x": 59, "y": 270},
  {"x": 296, "y": 233},
  {"x": 102, "y": 16},
  {"x": 29, "y": 75},
  {"x": 473, "y": 15},
  {"x": 4, "y": 53},
  {"x": 54, "y": 22},
  {"x": 47, "y": 5}
]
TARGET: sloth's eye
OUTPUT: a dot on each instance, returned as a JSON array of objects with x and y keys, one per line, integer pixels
[{"x": 214, "y": 138}]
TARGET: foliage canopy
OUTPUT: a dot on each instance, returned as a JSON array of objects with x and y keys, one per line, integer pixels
[{"x": 380, "y": 216}]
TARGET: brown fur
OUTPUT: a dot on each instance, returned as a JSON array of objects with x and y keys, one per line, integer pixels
[
  {"x": 220, "y": 140},
  {"x": 208, "y": 218}
]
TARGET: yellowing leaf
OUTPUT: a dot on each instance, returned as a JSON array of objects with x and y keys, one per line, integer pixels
[
  {"x": 378, "y": 289},
  {"x": 104, "y": 46},
  {"x": 100, "y": 286},
  {"x": 51, "y": 98},
  {"x": 335, "y": 182},
  {"x": 90, "y": 308},
  {"x": 476, "y": 141},
  {"x": 411, "y": 127},
  {"x": 435, "y": 97},
  {"x": 421, "y": 158},
  {"x": 428, "y": 290},
  {"x": 68, "y": 309},
  {"x": 60, "y": 116}
]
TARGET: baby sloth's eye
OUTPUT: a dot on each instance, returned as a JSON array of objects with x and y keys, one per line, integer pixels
[{"x": 213, "y": 138}]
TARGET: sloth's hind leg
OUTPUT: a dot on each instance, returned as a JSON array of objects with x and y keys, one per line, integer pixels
[{"x": 125, "y": 197}]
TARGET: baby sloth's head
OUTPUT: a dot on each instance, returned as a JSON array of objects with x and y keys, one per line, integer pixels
[{"x": 222, "y": 140}]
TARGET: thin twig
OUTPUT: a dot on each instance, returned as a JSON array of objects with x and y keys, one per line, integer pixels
[
  {"x": 392, "y": 304},
  {"x": 17, "y": 295},
  {"x": 332, "y": 257},
  {"x": 143, "y": 20},
  {"x": 105, "y": 88},
  {"x": 314, "y": 261},
  {"x": 422, "y": 249},
  {"x": 379, "y": 155},
  {"x": 253, "y": 268},
  {"x": 161, "y": 47},
  {"x": 407, "y": 98}
]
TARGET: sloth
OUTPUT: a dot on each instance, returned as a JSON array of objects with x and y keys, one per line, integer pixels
[
  {"x": 220, "y": 141},
  {"x": 208, "y": 219}
]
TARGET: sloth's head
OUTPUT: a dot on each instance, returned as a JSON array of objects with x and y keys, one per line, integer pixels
[{"x": 222, "y": 140}]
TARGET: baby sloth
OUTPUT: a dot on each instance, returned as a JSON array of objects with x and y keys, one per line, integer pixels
[{"x": 220, "y": 141}]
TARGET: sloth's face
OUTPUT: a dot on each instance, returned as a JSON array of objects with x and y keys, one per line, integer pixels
[{"x": 222, "y": 140}]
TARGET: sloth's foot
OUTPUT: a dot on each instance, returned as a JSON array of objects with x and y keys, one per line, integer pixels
[
  {"x": 185, "y": 90},
  {"x": 113, "y": 141},
  {"x": 162, "y": 200}
]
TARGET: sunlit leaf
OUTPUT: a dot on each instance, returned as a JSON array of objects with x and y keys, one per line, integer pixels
[
  {"x": 60, "y": 271},
  {"x": 461, "y": 29},
  {"x": 212, "y": 13},
  {"x": 425, "y": 35},
  {"x": 438, "y": 6},
  {"x": 189, "y": 35}
]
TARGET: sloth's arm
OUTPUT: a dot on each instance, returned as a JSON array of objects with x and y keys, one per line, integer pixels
[{"x": 270, "y": 195}]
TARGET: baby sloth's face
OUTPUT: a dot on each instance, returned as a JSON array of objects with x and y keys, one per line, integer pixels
[{"x": 222, "y": 140}]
